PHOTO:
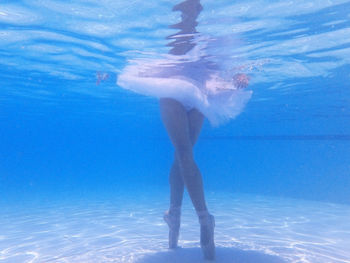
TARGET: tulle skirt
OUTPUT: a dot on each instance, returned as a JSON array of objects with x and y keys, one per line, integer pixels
[{"x": 215, "y": 98}]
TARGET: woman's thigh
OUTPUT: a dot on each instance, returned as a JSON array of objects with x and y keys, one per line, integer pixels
[
  {"x": 195, "y": 120},
  {"x": 176, "y": 122}
]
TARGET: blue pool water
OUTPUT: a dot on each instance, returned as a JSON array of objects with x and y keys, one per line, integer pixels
[{"x": 84, "y": 163}]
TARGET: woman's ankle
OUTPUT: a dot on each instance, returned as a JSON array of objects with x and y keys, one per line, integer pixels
[
  {"x": 174, "y": 210},
  {"x": 204, "y": 217}
]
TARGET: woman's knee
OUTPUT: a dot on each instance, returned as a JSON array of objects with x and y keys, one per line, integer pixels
[{"x": 184, "y": 152}]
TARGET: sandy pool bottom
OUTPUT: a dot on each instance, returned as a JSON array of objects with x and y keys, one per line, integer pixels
[{"x": 126, "y": 229}]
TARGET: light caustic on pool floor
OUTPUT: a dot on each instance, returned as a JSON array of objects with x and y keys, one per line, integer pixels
[{"x": 249, "y": 229}]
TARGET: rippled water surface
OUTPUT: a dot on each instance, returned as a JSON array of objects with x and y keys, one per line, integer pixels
[{"x": 296, "y": 52}]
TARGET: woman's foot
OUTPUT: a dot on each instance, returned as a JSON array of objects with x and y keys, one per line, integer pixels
[
  {"x": 172, "y": 218},
  {"x": 207, "y": 223}
]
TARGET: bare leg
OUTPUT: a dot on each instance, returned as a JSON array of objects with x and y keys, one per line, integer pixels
[
  {"x": 183, "y": 129},
  {"x": 172, "y": 216},
  {"x": 195, "y": 121},
  {"x": 176, "y": 121},
  {"x": 177, "y": 185}
]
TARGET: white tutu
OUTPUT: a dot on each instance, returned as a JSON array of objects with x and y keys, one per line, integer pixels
[{"x": 194, "y": 86}]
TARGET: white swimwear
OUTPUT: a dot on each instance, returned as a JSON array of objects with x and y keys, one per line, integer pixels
[{"x": 195, "y": 84}]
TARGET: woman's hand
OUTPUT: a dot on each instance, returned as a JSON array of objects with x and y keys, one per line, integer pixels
[{"x": 240, "y": 80}]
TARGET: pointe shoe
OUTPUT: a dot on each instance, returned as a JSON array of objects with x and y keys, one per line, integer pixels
[
  {"x": 173, "y": 221},
  {"x": 207, "y": 223}
]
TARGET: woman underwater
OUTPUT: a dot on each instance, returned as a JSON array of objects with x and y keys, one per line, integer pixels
[{"x": 190, "y": 88}]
